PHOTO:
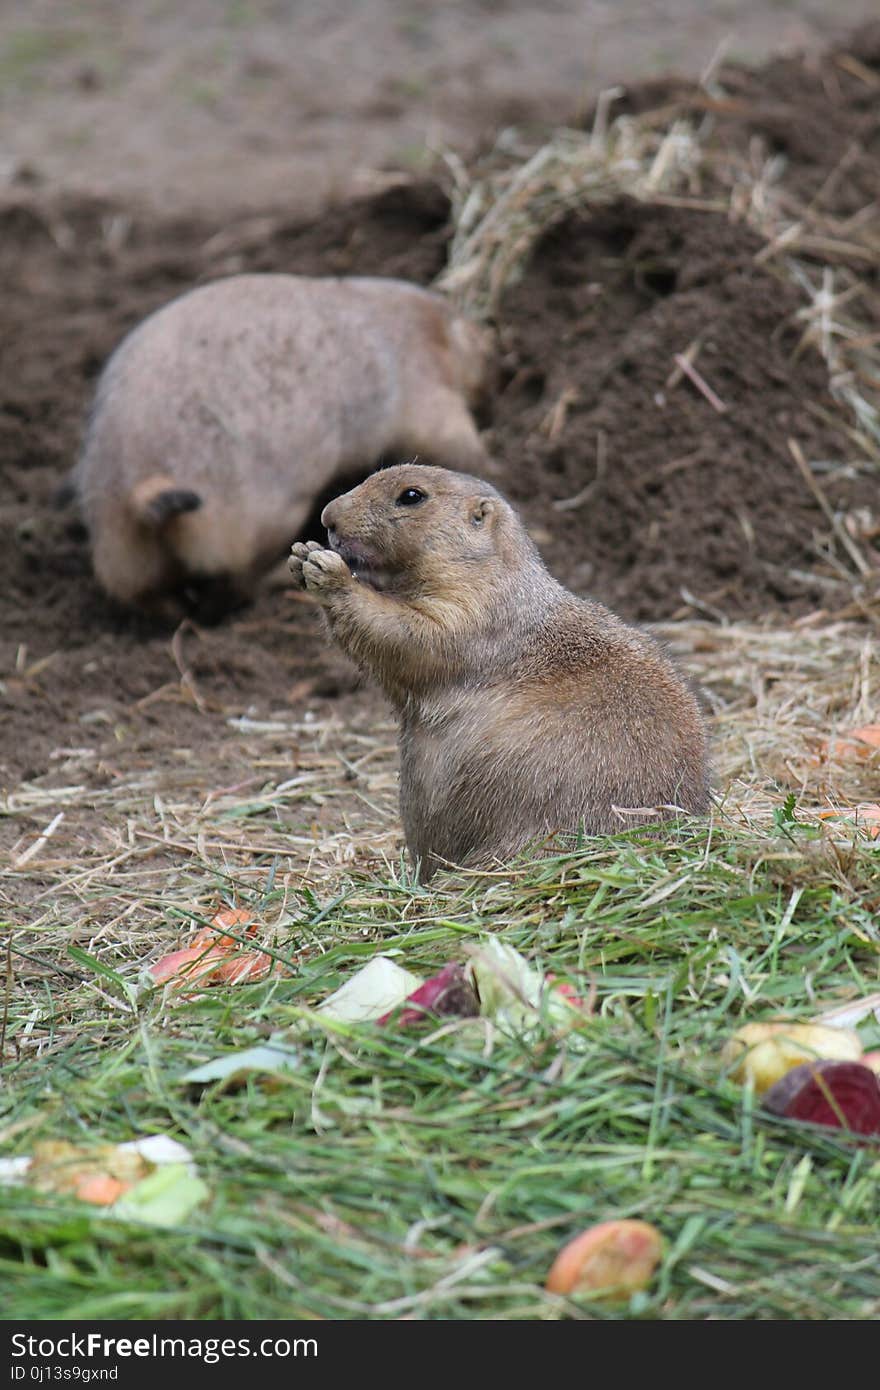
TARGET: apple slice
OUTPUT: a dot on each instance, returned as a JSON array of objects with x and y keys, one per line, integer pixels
[
  {"x": 763, "y": 1052},
  {"x": 611, "y": 1260}
]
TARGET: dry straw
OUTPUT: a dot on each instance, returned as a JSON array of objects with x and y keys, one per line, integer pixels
[
  {"x": 504, "y": 206},
  {"x": 501, "y": 213}
]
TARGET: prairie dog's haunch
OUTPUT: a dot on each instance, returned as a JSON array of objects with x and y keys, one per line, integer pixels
[
  {"x": 523, "y": 709},
  {"x": 220, "y": 420}
]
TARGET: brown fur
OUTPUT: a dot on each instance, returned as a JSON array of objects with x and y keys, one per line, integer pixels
[
  {"x": 221, "y": 419},
  {"x": 523, "y": 709}
]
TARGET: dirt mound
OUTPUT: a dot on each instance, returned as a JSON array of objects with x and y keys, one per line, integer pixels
[
  {"x": 670, "y": 502},
  {"x": 685, "y": 500}
]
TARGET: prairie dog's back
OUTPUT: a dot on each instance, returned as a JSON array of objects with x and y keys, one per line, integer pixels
[
  {"x": 247, "y": 396},
  {"x": 246, "y": 367}
]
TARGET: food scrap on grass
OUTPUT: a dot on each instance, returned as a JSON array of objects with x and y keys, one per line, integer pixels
[
  {"x": 815, "y": 1071},
  {"x": 845, "y": 1095},
  {"x": 451, "y": 991},
  {"x": 865, "y": 817},
  {"x": 608, "y": 1261},
  {"x": 761, "y": 1053},
  {"x": 219, "y": 954},
  {"x": 496, "y": 983},
  {"x": 863, "y": 742},
  {"x": 151, "y": 1180}
]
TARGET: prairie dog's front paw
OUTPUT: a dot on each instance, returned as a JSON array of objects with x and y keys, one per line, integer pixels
[
  {"x": 325, "y": 573},
  {"x": 299, "y": 553}
]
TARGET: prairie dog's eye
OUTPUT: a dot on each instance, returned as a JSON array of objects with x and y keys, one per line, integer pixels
[{"x": 410, "y": 497}]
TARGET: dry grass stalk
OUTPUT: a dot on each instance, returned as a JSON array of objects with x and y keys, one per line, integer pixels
[
  {"x": 705, "y": 390},
  {"x": 501, "y": 215}
]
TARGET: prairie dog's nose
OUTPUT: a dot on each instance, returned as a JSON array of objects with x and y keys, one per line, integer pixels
[{"x": 329, "y": 515}]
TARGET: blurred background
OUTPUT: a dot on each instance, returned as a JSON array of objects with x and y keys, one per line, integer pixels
[{"x": 221, "y": 104}]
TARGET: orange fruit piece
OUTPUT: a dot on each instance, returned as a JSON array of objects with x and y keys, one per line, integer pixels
[
  {"x": 611, "y": 1260},
  {"x": 246, "y": 966},
  {"x": 97, "y": 1173},
  {"x": 868, "y": 733},
  {"x": 236, "y": 919},
  {"x": 866, "y": 815},
  {"x": 855, "y": 743},
  {"x": 215, "y": 956},
  {"x": 100, "y": 1189},
  {"x": 202, "y": 961}
]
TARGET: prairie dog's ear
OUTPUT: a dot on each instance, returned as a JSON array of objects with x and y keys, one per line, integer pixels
[{"x": 482, "y": 510}]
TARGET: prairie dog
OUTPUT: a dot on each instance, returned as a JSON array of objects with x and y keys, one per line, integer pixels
[
  {"x": 219, "y": 421},
  {"x": 523, "y": 709}
]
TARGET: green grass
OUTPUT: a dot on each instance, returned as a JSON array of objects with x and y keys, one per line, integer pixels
[{"x": 435, "y": 1172}]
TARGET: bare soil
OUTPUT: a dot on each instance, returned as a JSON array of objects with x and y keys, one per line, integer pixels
[{"x": 686, "y": 509}]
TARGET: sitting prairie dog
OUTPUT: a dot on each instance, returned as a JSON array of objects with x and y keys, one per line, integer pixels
[
  {"x": 523, "y": 709},
  {"x": 220, "y": 420}
]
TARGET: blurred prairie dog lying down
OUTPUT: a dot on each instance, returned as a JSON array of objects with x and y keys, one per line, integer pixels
[{"x": 220, "y": 420}]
